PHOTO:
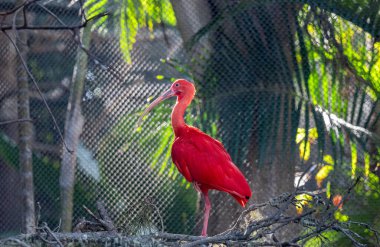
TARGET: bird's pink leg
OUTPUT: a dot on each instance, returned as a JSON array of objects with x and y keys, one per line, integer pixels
[{"x": 206, "y": 213}]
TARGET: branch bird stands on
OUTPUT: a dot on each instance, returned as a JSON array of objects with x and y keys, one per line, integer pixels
[{"x": 202, "y": 160}]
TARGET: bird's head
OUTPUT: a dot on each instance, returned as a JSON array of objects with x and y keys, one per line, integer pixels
[{"x": 181, "y": 88}]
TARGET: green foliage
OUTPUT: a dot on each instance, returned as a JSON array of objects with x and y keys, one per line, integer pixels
[
  {"x": 331, "y": 75},
  {"x": 46, "y": 182},
  {"x": 150, "y": 146},
  {"x": 128, "y": 16}
]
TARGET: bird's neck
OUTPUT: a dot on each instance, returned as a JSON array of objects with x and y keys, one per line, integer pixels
[{"x": 178, "y": 112}]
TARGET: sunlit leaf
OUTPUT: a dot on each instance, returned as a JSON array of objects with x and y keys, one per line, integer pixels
[
  {"x": 322, "y": 174},
  {"x": 341, "y": 217},
  {"x": 328, "y": 159},
  {"x": 304, "y": 149},
  {"x": 160, "y": 77},
  {"x": 94, "y": 7},
  {"x": 328, "y": 190},
  {"x": 354, "y": 159},
  {"x": 300, "y": 135},
  {"x": 302, "y": 201},
  {"x": 313, "y": 134},
  {"x": 131, "y": 15}
]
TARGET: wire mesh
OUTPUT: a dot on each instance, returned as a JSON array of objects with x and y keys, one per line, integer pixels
[{"x": 286, "y": 86}]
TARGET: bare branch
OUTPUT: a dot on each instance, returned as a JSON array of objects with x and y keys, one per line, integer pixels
[
  {"x": 49, "y": 232},
  {"x": 256, "y": 233},
  {"x": 16, "y": 121},
  {"x": 17, "y": 242}
]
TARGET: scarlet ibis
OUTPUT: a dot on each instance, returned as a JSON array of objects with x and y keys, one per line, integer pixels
[{"x": 202, "y": 160}]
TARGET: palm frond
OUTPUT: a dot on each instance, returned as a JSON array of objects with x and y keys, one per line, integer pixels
[{"x": 129, "y": 17}]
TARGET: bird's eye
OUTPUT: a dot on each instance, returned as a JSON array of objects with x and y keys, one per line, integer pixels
[
  {"x": 247, "y": 197},
  {"x": 177, "y": 85}
]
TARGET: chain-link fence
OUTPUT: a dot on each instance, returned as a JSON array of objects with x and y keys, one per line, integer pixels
[{"x": 287, "y": 87}]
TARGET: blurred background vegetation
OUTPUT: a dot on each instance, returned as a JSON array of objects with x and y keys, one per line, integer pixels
[{"x": 287, "y": 86}]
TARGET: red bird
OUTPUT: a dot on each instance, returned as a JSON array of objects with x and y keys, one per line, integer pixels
[{"x": 201, "y": 159}]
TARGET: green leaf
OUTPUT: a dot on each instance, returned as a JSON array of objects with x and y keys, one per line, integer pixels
[
  {"x": 341, "y": 217},
  {"x": 130, "y": 16},
  {"x": 354, "y": 159},
  {"x": 94, "y": 7},
  {"x": 301, "y": 134},
  {"x": 328, "y": 189},
  {"x": 367, "y": 160},
  {"x": 313, "y": 134},
  {"x": 322, "y": 174},
  {"x": 328, "y": 159},
  {"x": 160, "y": 77}
]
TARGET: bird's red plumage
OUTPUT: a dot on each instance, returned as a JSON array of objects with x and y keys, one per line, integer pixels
[{"x": 203, "y": 160}]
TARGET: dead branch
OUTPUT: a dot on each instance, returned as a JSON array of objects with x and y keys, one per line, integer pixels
[
  {"x": 317, "y": 218},
  {"x": 45, "y": 229},
  {"x": 14, "y": 241},
  {"x": 105, "y": 219}
]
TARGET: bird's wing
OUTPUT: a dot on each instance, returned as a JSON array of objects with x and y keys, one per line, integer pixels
[{"x": 204, "y": 160}]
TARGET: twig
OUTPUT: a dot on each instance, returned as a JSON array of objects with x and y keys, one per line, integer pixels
[
  {"x": 158, "y": 213},
  {"x": 90, "y": 213},
  {"x": 17, "y": 241},
  {"x": 16, "y": 121},
  {"x": 87, "y": 226},
  {"x": 349, "y": 233},
  {"x": 105, "y": 219},
  {"x": 59, "y": 226},
  {"x": 46, "y": 228},
  {"x": 173, "y": 236},
  {"x": 366, "y": 226}
]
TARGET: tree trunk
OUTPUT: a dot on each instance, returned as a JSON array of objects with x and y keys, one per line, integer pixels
[
  {"x": 25, "y": 135},
  {"x": 73, "y": 129},
  {"x": 251, "y": 61},
  {"x": 191, "y": 16}
]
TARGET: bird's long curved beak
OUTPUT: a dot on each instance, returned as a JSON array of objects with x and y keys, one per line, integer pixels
[{"x": 167, "y": 94}]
